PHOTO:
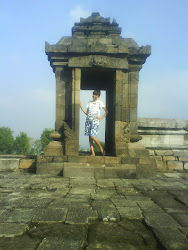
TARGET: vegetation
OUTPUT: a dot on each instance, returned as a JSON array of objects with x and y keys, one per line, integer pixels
[
  {"x": 6, "y": 140},
  {"x": 45, "y": 137},
  {"x": 23, "y": 144}
]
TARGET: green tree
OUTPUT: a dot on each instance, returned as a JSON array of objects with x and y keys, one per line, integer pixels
[
  {"x": 45, "y": 137},
  {"x": 22, "y": 144},
  {"x": 6, "y": 140},
  {"x": 36, "y": 147}
]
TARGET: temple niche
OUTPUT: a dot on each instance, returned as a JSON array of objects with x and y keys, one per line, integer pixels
[{"x": 96, "y": 57}]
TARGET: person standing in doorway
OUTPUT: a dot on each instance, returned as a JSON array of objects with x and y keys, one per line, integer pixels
[{"x": 92, "y": 120}]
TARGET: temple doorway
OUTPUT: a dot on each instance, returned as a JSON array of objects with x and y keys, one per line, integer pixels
[{"x": 103, "y": 80}]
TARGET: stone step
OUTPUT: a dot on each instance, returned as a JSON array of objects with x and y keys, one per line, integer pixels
[{"x": 99, "y": 171}]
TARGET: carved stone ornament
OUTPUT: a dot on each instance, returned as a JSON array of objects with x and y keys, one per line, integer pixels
[
  {"x": 98, "y": 61},
  {"x": 68, "y": 132},
  {"x": 123, "y": 134}
]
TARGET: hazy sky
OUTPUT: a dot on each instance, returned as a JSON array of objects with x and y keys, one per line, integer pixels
[{"x": 27, "y": 82}]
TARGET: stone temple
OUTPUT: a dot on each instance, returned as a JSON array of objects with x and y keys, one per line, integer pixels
[{"x": 96, "y": 57}]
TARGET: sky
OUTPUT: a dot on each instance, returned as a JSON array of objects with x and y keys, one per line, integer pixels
[{"x": 27, "y": 82}]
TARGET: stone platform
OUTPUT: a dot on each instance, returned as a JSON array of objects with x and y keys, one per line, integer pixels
[
  {"x": 43, "y": 212},
  {"x": 98, "y": 166}
]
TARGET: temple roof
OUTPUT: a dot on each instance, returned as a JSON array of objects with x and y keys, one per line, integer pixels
[{"x": 96, "y": 26}]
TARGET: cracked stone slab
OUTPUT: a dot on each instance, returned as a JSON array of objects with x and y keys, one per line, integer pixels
[
  {"x": 19, "y": 215},
  {"x": 130, "y": 213},
  {"x": 12, "y": 229},
  {"x": 50, "y": 215},
  {"x": 118, "y": 235},
  {"x": 163, "y": 220},
  {"x": 57, "y": 243},
  {"x": 81, "y": 216},
  {"x": 18, "y": 243},
  {"x": 35, "y": 202},
  {"x": 171, "y": 238}
]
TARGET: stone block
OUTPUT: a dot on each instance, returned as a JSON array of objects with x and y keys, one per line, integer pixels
[
  {"x": 133, "y": 114},
  {"x": 96, "y": 159},
  {"x": 99, "y": 171},
  {"x": 26, "y": 163},
  {"x": 183, "y": 153},
  {"x": 12, "y": 229},
  {"x": 183, "y": 158},
  {"x": 133, "y": 101},
  {"x": 161, "y": 165},
  {"x": 112, "y": 160},
  {"x": 164, "y": 152},
  {"x": 81, "y": 159},
  {"x": 130, "y": 213},
  {"x": 157, "y": 157},
  {"x": 50, "y": 215},
  {"x": 71, "y": 147},
  {"x": 129, "y": 160},
  {"x": 78, "y": 171},
  {"x": 186, "y": 166},
  {"x": 146, "y": 171},
  {"x": 175, "y": 165},
  {"x": 147, "y": 161},
  {"x": 126, "y": 171},
  {"x": 168, "y": 158},
  {"x": 9, "y": 164},
  {"x": 51, "y": 168},
  {"x": 151, "y": 152}
]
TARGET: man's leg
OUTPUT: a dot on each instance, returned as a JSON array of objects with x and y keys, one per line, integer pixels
[
  {"x": 91, "y": 145},
  {"x": 97, "y": 142}
]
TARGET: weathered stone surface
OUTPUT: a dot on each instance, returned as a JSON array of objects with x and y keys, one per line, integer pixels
[
  {"x": 12, "y": 229},
  {"x": 171, "y": 238},
  {"x": 50, "y": 215},
  {"x": 26, "y": 163},
  {"x": 98, "y": 60},
  {"x": 145, "y": 171},
  {"x": 60, "y": 243},
  {"x": 54, "y": 168},
  {"x": 77, "y": 218},
  {"x": 133, "y": 213},
  {"x": 168, "y": 158},
  {"x": 81, "y": 216},
  {"x": 9, "y": 164},
  {"x": 124, "y": 171},
  {"x": 175, "y": 165},
  {"x": 161, "y": 165},
  {"x": 163, "y": 220}
]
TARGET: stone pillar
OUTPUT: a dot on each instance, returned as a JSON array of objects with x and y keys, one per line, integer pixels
[
  {"x": 121, "y": 113},
  {"x": 60, "y": 98},
  {"x": 72, "y": 135},
  {"x": 133, "y": 79}
]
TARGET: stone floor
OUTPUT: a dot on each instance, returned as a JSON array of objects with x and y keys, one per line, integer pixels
[{"x": 42, "y": 212}]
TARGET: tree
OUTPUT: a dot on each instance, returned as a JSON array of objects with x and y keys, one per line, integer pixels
[
  {"x": 45, "y": 137},
  {"x": 36, "y": 147},
  {"x": 6, "y": 140},
  {"x": 22, "y": 144}
]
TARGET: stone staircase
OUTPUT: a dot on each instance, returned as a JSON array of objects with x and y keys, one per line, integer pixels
[{"x": 137, "y": 164}]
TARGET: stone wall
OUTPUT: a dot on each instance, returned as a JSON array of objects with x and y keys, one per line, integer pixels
[
  {"x": 167, "y": 141},
  {"x": 16, "y": 162}
]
